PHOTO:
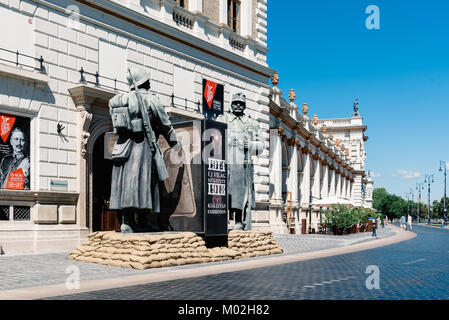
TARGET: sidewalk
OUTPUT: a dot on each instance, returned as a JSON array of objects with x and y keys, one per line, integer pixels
[{"x": 45, "y": 275}]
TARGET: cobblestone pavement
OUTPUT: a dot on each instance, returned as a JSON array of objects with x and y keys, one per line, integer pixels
[
  {"x": 413, "y": 269},
  {"x": 20, "y": 271},
  {"x": 292, "y": 243}
]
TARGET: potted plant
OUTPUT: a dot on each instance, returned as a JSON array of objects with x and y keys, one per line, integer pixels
[{"x": 340, "y": 218}]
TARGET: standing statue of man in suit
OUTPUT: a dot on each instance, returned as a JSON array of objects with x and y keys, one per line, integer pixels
[{"x": 243, "y": 142}]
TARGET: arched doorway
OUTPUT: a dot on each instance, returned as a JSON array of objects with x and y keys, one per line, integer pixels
[{"x": 102, "y": 218}]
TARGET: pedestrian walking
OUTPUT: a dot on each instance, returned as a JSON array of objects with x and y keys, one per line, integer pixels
[
  {"x": 409, "y": 222},
  {"x": 403, "y": 223}
]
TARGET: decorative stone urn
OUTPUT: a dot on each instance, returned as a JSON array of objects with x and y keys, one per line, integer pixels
[
  {"x": 324, "y": 128},
  {"x": 305, "y": 109},
  {"x": 347, "y": 152},
  {"x": 275, "y": 80},
  {"x": 337, "y": 142},
  {"x": 291, "y": 95},
  {"x": 315, "y": 119},
  {"x": 331, "y": 136}
]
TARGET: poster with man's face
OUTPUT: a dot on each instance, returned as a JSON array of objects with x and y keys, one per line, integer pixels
[{"x": 14, "y": 152}]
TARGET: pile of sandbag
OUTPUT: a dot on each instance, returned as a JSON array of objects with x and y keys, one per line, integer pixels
[
  {"x": 143, "y": 251},
  {"x": 253, "y": 243}
]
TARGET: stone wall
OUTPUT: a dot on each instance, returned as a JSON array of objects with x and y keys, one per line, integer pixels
[
  {"x": 143, "y": 251},
  {"x": 211, "y": 10}
]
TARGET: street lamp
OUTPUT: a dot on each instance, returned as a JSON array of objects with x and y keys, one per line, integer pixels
[
  {"x": 406, "y": 199},
  {"x": 428, "y": 180},
  {"x": 419, "y": 187},
  {"x": 310, "y": 210},
  {"x": 413, "y": 199},
  {"x": 443, "y": 164}
]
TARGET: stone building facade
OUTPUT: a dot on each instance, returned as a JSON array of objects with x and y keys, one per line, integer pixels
[
  {"x": 312, "y": 159},
  {"x": 86, "y": 47},
  {"x": 64, "y": 59}
]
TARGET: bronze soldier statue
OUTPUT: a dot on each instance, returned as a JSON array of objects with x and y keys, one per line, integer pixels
[
  {"x": 243, "y": 142},
  {"x": 139, "y": 118}
]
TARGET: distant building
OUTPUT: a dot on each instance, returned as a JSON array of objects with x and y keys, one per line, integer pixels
[{"x": 312, "y": 159}]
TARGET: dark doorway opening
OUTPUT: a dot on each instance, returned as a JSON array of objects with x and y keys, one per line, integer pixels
[{"x": 102, "y": 218}]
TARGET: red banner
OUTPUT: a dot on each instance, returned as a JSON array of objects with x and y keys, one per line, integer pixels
[
  {"x": 6, "y": 123},
  {"x": 209, "y": 92},
  {"x": 16, "y": 180}
]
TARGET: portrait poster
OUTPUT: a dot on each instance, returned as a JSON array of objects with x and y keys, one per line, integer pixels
[
  {"x": 15, "y": 165},
  {"x": 213, "y": 95}
]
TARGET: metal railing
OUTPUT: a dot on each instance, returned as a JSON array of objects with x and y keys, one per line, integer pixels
[
  {"x": 97, "y": 77},
  {"x": 15, "y": 59},
  {"x": 185, "y": 103},
  {"x": 119, "y": 87}
]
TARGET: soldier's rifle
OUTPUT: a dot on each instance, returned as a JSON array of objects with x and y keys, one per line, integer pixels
[{"x": 149, "y": 134}]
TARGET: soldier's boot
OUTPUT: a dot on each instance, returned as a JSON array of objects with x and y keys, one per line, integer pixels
[
  {"x": 127, "y": 222},
  {"x": 247, "y": 220},
  {"x": 144, "y": 222},
  {"x": 238, "y": 220}
]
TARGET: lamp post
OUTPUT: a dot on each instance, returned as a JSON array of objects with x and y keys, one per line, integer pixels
[
  {"x": 406, "y": 199},
  {"x": 428, "y": 180},
  {"x": 443, "y": 164},
  {"x": 419, "y": 187},
  {"x": 310, "y": 210},
  {"x": 413, "y": 199}
]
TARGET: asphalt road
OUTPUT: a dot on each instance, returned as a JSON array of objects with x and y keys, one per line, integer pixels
[{"x": 413, "y": 269}]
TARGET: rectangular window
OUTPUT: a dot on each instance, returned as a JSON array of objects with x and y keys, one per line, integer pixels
[
  {"x": 20, "y": 40},
  {"x": 21, "y": 213},
  {"x": 234, "y": 15},
  {"x": 14, "y": 152},
  {"x": 182, "y": 3},
  {"x": 4, "y": 212}
]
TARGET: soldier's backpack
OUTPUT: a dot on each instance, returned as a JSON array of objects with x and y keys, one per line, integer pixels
[{"x": 121, "y": 119}]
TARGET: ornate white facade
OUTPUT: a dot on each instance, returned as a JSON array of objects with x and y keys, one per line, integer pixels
[
  {"x": 312, "y": 159},
  {"x": 86, "y": 47}
]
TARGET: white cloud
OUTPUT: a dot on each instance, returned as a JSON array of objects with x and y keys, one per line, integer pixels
[
  {"x": 375, "y": 175},
  {"x": 409, "y": 174}
]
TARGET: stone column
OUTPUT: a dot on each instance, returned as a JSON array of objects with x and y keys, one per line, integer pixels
[
  {"x": 246, "y": 23},
  {"x": 223, "y": 12},
  {"x": 316, "y": 190},
  {"x": 333, "y": 178},
  {"x": 338, "y": 181},
  {"x": 277, "y": 224},
  {"x": 343, "y": 185},
  {"x": 316, "y": 178},
  {"x": 293, "y": 182},
  {"x": 351, "y": 185},
  {"x": 325, "y": 189},
  {"x": 348, "y": 188},
  {"x": 305, "y": 185},
  {"x": 196, "y": 6},
  {"x": 293, "y": 173}
]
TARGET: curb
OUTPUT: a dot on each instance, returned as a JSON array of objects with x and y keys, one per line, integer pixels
[{"x": 111, "y": 283}]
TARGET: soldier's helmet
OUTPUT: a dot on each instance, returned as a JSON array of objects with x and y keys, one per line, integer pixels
[
  {"x": 140, "y": 76},
  {"x": 240, "y": 96}
]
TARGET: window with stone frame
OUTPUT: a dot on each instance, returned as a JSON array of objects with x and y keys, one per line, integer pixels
[
  {"x": 234, "y": 15},
  {"x": 183, "y": 3}
]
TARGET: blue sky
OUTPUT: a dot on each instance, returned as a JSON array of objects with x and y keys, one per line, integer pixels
[{"x": 399, "y": 73}]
